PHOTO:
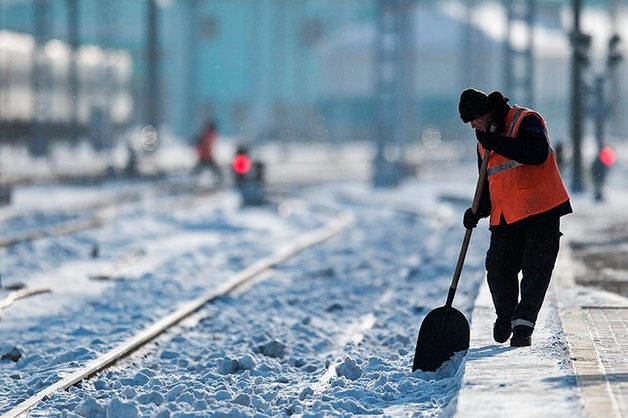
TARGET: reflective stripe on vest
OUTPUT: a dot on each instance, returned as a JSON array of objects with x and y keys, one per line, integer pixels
[
  {"x": 514, "y": 125},
  {"x": 506, "y": 166},
  {"x": 502, "y": 167}
]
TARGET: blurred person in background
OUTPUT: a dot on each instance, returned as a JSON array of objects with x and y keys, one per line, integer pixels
[
  {"x": 525, "y": 197},
  {"x": 205, "y": 145}
]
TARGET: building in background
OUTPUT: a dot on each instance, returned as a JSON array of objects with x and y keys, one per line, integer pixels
[{"x": 295, "y": 70}]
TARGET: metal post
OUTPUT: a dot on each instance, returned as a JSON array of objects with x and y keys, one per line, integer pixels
[
  {"x": 152, "y": 67},
  {"x": 519, "y": 65},
  {"x": 466, "y": 55},
  {"x": 1, "y": 121},
  {"x": 73, "y": 40},
  {"x": 601, "y": 111},
  {"x": 617, "y": 125},
  {"x": 577, "y": 99},
  {"x": 40, "y": 81},
  {"x": 280, "y": 60},
  {"x": 509, "y": 66},
  {"x": 598, "y": 169},
  {"x": 394, "y": 87},
  {"x": 1, "y": 86},
  {"x": 102, "y": 126},
  {"x": 192, "y": 81},
  {"x": 529, "y": 54}
]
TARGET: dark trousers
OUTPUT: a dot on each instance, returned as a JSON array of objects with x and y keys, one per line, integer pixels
[{"x": 529, "y": 246}]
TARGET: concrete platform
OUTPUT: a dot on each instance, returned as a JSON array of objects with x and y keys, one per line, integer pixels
[
  {"x": 577, "y": 365},
  {"x": 596, "y": 327}
]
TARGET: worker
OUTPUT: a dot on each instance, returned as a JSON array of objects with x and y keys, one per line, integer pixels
[
  {"x": 525, "y": 197},
  {"x": 205, "y": 145}
]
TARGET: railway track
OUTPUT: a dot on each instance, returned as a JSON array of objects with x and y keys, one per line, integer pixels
[
  {"x": 95, "y": 213},
  {"x": 181, "y": 203},
  {"x": 306, "y": 348},
  {"x": 157, "y": 328},
  {"x": 167, "y": 194},
  {"x": 54, "y": 223},
  {"x": 303, "y": 321}
]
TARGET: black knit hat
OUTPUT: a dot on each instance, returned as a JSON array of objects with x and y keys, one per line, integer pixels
[{"x": 473, "y": 104}]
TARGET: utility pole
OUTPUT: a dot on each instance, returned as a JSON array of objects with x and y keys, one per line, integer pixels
[
  {"x": 580, "y": 50},
  {"x": 519, "y": 65},
  {"x": 153, "y": 93},
  {"x": 394, "y": 87},
  {"x": 40, "y": 79},
  {"x": 73, "y": 40},
  {"x": 466, "y": 55},
  {"x": 617, "y": 125},
  {"x": 192, "y": 79},
  {"x": 604, "y": 110},
  {"x": 281, "y": 114},
  {"x": 1, "y": 90}
]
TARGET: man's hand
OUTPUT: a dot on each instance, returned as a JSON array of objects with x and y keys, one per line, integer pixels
[
  {"x": 470, "y": 219},
  {"x": 488, "y": 139}
]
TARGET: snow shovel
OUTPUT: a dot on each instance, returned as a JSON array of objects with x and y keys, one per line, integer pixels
[{"x": 445, "y": 330}]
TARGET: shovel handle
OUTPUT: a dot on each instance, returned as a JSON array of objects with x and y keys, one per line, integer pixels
[{"x": 467, "y": 236}]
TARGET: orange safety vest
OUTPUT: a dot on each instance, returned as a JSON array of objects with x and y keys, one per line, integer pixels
[{"x": 520, "y": 190}]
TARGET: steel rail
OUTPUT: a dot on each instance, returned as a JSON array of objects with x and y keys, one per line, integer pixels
[
  {"x": 22, "y": 293},
  {"x": 56, "y": 230},
  {"x": 281, "y": 178},
  {"x": 96, "y": 221},
  {"x": 187, "y": 309}
]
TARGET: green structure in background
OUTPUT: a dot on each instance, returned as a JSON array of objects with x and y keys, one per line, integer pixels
[
  {"x": 241, "y": 61},
  {"x": 304, "y": 70}
]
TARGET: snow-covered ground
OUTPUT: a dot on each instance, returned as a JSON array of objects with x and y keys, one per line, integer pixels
[{"x": 329, "y": 332}]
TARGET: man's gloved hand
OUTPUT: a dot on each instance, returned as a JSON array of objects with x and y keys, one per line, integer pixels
[
  {"x": 488, "y": 139},
  {"x": 470, "y": 220}
]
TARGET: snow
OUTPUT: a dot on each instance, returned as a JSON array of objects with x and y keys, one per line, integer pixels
[{"x": 328, "y": 332}]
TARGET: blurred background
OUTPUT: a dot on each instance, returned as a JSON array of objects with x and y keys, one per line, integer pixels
[{"x": 94, "y": 73}]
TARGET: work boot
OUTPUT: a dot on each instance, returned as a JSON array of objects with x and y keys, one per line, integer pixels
[
  {"x": 501, "y": 330},
  {"x": 521, "y": 336}
]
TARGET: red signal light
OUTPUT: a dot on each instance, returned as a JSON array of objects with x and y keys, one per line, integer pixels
[
  {"x": 241, "y": 164},
  {"x": 607, "y": 156}
]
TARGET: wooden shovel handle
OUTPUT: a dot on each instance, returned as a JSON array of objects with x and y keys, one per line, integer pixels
[{"x": 467, "y": 235}]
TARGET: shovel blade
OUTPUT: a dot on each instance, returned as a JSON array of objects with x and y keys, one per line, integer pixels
[{"x": 444, "y": 331}]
